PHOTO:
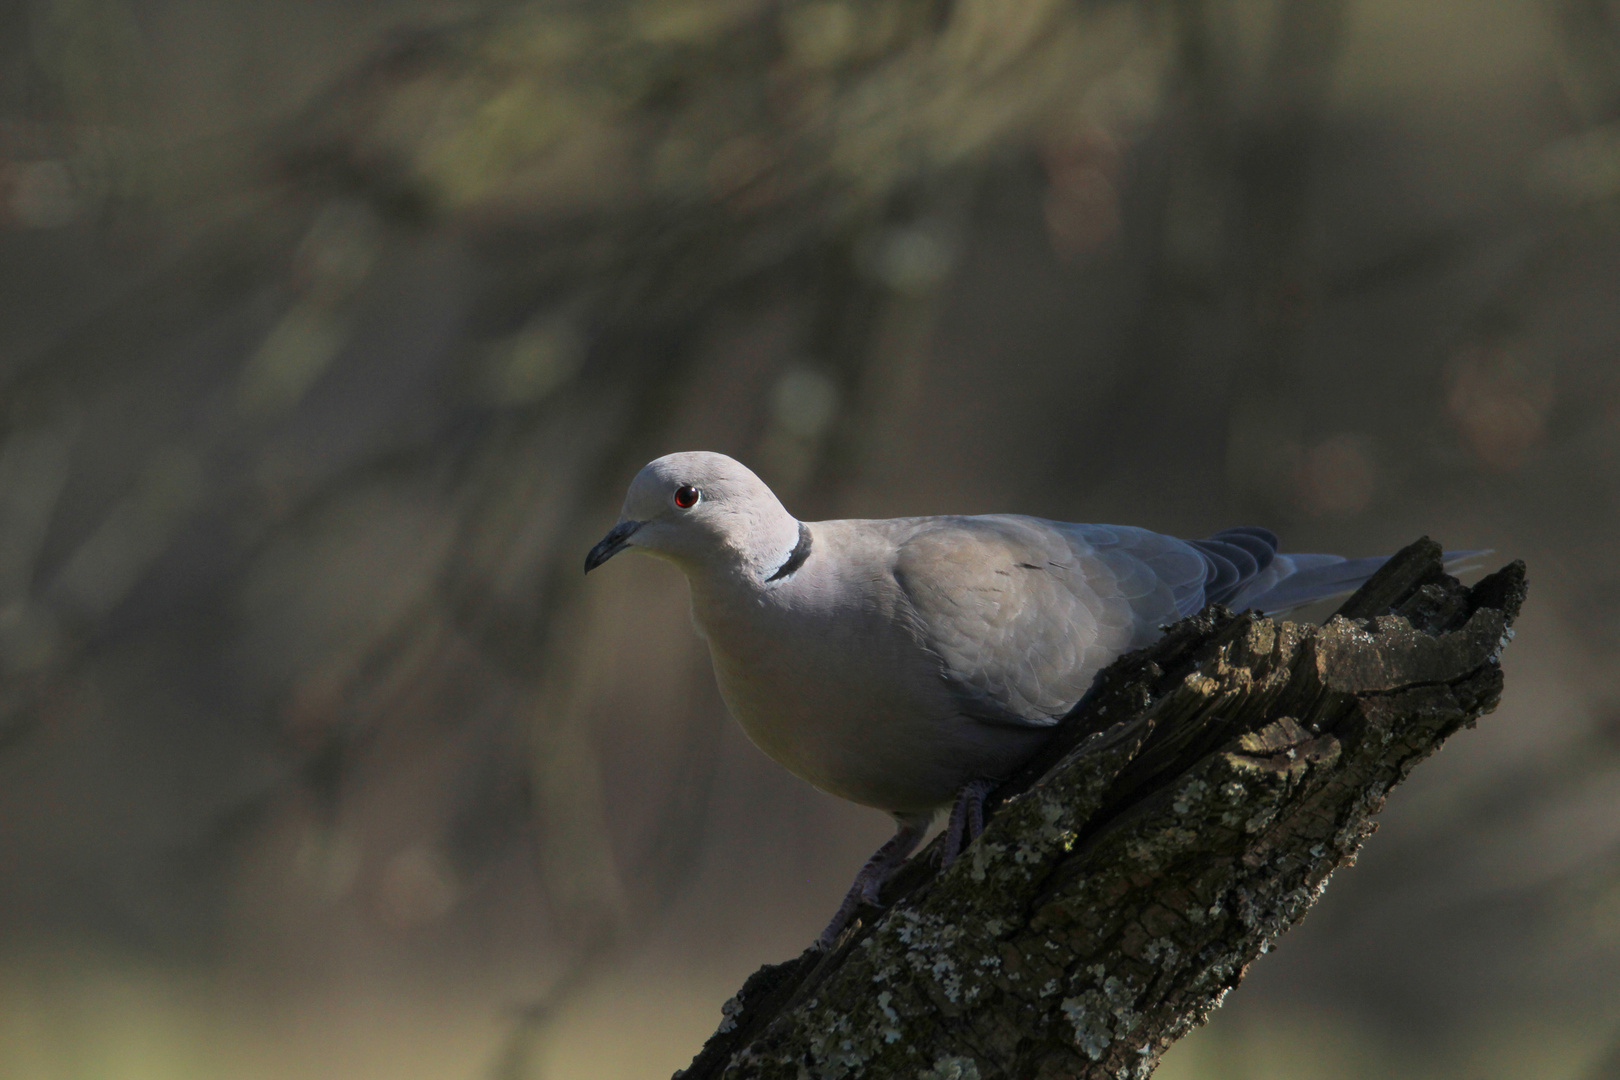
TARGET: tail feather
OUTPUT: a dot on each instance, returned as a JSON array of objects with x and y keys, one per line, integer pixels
[
  {"x": 1305, "y": 579},
  {"x": 1292, "y": 581}
]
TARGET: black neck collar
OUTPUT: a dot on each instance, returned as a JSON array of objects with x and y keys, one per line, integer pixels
[{"x": 796, "y": 557}]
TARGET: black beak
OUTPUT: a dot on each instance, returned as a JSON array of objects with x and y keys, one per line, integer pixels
[{"x": 617, "y": 539}]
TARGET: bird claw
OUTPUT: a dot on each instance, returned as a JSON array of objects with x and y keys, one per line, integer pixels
[
  {"x": 868, "y": 885},
  {"x": 967, "y": 822},
  {"x": 967, "y": 819}
]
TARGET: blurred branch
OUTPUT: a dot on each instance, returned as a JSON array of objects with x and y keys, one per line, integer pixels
[
  {"x": 1608, "y": 1067},
  {"x": 1137, "y": 868},
  {"x": 1273, "y": 175},
  {"x": 1228, "y": 286},
  {"x": 1590, "y": 57}
]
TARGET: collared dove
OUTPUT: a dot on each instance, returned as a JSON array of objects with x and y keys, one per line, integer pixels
[{"x": 910, "y": 663}]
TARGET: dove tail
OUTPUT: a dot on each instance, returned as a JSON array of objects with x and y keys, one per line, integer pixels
[{"x": 1292, "y": 581}]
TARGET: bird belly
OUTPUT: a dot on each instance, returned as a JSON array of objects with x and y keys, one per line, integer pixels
[{"x": 849, "y": 738}]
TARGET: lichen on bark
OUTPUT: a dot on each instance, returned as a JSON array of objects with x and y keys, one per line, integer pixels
[{"x": 1183, "y": 816}]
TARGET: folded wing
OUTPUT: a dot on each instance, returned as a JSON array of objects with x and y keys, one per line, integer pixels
[{"x": 1022, "y": 613}]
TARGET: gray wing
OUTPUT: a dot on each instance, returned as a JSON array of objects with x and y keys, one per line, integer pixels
[{"x": 1023, "y": 613}]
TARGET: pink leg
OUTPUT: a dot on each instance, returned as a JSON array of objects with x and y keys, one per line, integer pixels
[
  {"x": 967, "y": 818},
  {"x": 878, "y": 869}
]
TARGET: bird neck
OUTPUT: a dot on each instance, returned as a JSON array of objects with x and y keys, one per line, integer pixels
[
  {"x": 770, "y": 542},
  {"x": 728, "y": 591}
]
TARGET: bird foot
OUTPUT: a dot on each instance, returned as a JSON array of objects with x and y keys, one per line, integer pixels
[
  {"x": 868, "y": 885},
  {"x": 967, "y": 819}
]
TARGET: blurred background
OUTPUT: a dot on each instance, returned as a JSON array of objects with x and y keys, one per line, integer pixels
[{"x": 331, "y": 332}]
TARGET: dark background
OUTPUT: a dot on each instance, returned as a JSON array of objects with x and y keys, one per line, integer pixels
[{"x": 331, "y": 333}]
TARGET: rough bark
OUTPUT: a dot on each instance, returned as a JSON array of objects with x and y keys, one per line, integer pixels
[{"x": 1185, "y": 815}]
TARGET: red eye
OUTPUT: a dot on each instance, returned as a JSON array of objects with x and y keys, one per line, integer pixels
[{"x": 686, "y": 496}]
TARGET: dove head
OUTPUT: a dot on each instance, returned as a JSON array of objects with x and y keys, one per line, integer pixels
[{"x": 704, "y": 512}]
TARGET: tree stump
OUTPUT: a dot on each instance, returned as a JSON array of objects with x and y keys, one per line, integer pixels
[{"x": 1190, "y": 810}]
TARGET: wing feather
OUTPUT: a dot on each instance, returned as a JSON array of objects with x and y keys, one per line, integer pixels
[{"x": 1023, "y": 613}]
